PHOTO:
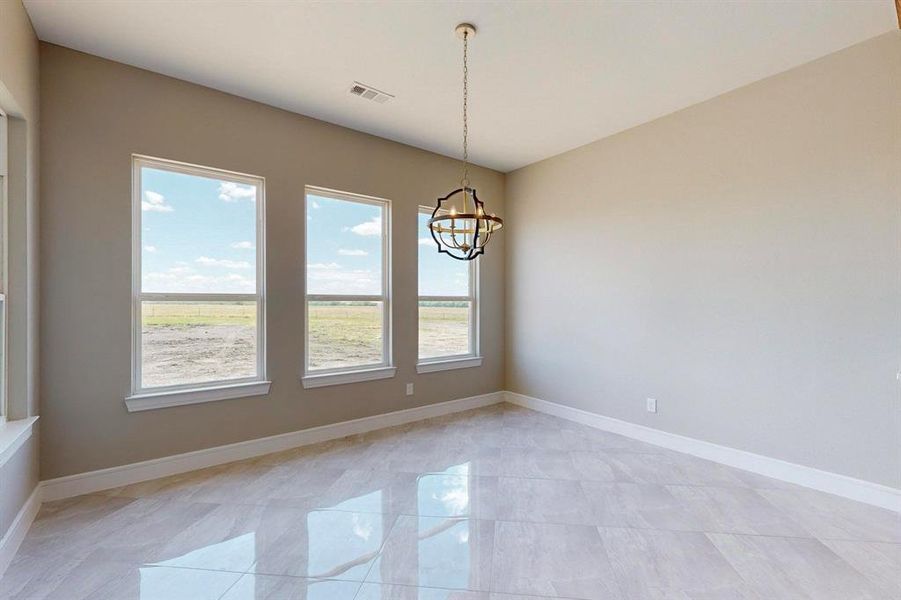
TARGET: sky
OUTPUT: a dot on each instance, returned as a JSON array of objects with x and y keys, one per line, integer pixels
[
  {"x": 344, "y": 252},
  {"x": 439, "y": 274},
  {"x": 344, "y": 247},
  {"x": 199, "y": 235}
]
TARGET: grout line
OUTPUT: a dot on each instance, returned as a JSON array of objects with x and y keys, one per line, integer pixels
[
  {"x": 359, "y": 588},
  {"x": 378, "y": 554},
  {"x": 712, "y": 484},
  {"x": 229, "y": 588},
  {"x": 490, "y": 591},
  {"x": 394, "y": 517},
  {"x": 543, "y": 522}
]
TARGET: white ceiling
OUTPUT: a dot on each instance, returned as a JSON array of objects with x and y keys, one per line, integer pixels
[{"x": 546, "y": 76}]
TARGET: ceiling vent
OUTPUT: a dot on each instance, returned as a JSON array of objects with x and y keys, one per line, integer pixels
[{"x": 369, "y": 93}]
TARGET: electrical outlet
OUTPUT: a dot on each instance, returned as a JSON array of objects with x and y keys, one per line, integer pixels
[
  {"x": 652, "y": 405},
  {"x": 409, "y": 389}
]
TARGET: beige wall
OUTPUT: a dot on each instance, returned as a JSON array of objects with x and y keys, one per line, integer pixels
[
  {"x": 96, "y": 114},
  {"x": 19, "y": 99},
  {"x": 19, "y": 85},
  {"x": 738, "y": 261}
]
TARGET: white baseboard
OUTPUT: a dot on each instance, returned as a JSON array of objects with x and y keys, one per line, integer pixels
[
  {"x": 833, "y": 483},
  {"x": 824, "y": 481},
  {"x": 16, "y": 532},
  {"x": 95, "y": 481}
]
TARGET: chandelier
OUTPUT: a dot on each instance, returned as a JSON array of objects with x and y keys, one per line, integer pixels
[{"x": 459, "y": 224}]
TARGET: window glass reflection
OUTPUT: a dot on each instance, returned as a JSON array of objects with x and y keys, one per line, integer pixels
[
  {"x": 445, "y": 494},
  {"x": 444, "y": 553},
  {"x": 235, "y": 553},
  {"x": 343, "y": 544},
  {"x": 443, "y": 546}
]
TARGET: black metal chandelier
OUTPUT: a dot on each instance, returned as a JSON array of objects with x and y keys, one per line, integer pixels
[{"x": 459, "y": 224}]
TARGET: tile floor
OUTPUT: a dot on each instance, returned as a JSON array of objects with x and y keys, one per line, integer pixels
[{"x": 495, "y": 504}]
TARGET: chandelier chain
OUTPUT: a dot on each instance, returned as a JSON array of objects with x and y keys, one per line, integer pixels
[
  {"x": 462, "y": 231},
  {"x": 465, "y": 180}
]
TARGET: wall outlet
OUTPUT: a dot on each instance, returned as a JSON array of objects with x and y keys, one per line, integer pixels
[
  {"x": 652, "y": 405},
  {"x": 409, "y": 389}
]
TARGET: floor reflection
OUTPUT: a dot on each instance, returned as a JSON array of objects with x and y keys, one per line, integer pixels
[
  {"x": 343, "y": 544},
  {"x": 444, "y": 557},
  {"x": 163, "y": 583},
  {"x": 239, "y": 550},
  {"x": 267, "y": 587},
  {"x": 439, "y": 546},
  {"x": 533, "y": 520},
  {"x": 445, "y": 494}
]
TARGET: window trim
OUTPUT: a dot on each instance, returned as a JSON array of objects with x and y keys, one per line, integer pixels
[
  {"x": 433, "y": 366},
  {"x": 447, "y": 362},
  {"x": 141, "y": 398},
  {"x": 348, "y": 376},
  {"x": 4, "y": 267},
  {"x": 313, "y": 378},
  {"x": 197, "y": 395}
]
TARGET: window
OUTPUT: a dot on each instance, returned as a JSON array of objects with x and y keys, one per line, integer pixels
[
  {"x": 198, "y": 289},
  {"x": 347, "y": 309},
  {"x": 448, "y": 306}
]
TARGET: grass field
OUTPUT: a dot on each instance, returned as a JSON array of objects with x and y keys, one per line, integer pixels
[
  {"x": 345, "y": 335},
  {"x": 185, "y": 342},
  {"x": 198, "y": 313},
  {"x": 443, "y": 330}
]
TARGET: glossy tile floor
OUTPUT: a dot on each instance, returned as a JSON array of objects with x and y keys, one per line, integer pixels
[{"x": 495, "y": 504}]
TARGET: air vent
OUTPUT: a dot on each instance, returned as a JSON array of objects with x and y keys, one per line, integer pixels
[{"x": 369, "y": 93}]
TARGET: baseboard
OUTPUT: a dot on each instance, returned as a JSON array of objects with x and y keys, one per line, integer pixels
[
  {"x": 833, "y": 483},
  {"x": 824, "y": 481},
  {"x": 95, "y": 481},
  {"x": 16, "y": 532}
]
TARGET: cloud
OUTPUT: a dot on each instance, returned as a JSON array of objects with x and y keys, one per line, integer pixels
[
  {"x": 223, "y": 262},
  {"x": 229, "y": 191},
  {"x": 243, "y": 245},
  {"x": 371, "y": 227},
  {"x": 314, "y": 204},
  {"x": 362, "y": 526},
  {"x": 184, "y": 279},
  {"x": 149, "y": 248},
  {"x": 454, "y": 498},
  {"x": 350, "y": 252},
  {"x": 330, "y": 278},
  {"x": 426, "y": 241},
  {"x": 155, "y": 202}
]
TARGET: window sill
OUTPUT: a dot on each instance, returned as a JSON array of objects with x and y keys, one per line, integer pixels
[
  {"x": 447, "y": 365},
  {"x": 13, "y": 434},
  {"x": 154, "y": 400},
  {"x": 315, "y": 381}
]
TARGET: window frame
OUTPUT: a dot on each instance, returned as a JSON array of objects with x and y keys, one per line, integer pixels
[
  {"x": 451, "y": 361},
  {"x": 312, "y": 378},
  {"x": 4, "y": 264},
  {"x": 145, "y": 398}
]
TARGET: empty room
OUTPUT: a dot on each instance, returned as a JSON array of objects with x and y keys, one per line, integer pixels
[{"x": 446, "y": 300}]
